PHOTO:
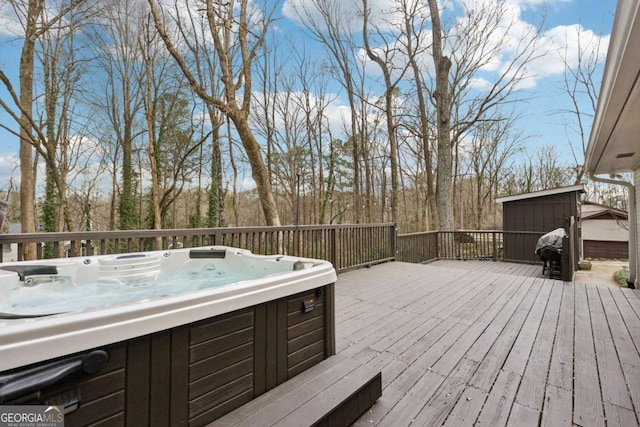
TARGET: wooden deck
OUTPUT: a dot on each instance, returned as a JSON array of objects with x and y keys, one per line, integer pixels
[{"x": 490, "y": 343}]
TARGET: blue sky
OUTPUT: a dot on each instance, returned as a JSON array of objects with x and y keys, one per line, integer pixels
[{"x": 545, "y": 99}]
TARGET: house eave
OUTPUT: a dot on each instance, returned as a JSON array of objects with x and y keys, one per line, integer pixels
[{"x": 613, "y": 143}]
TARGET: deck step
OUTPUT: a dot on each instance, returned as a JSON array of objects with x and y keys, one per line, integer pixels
[{"x": 335, "y": 392}]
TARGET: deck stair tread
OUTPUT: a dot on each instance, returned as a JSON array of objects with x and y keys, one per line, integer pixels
[{"x": 334, "y": 392}]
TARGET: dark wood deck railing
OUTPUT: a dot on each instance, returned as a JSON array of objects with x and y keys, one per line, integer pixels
[
  {"x": 346, "y": 246},
  {"x": 468, "y": 244},
  {"x": 418, "y": 247}
]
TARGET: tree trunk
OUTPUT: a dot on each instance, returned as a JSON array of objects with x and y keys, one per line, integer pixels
[
  {"x": 413, "y": 50},
  {"x": 214, "y": 211},
  {"x": 442, "y": 95},
  {"x": 27, "y": 178},
  {"x": 388, "y": 109},
  {"x": 258, "y": 169},
  {"x": 151, "y": 130}
]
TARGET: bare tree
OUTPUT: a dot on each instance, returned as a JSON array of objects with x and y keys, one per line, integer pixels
[
  {"x": 281, "y": 122},
  {"x": 62, "y": 66},
  {"x": 492, "y": 144},
  {"x": 238, "y": 34},
  {"x": 36, "y": 20},
  {"x": 329, "y": 23},
  {"x": 206, "y": 69},
  {"x": 414, "y": 24},
  {"x": 473, "y": 42},
  {"x": 313, "y": 102},
  {"x": 215, "y": 211},
  {"x": 580, "y": 67},
  {"x": 550, "y": 171},
  {"x": 122, "y": 98},
  {"x": 442, "y": 99},
  {"x": 387, "y": 68},
  {"x": 145, "y": 43}
]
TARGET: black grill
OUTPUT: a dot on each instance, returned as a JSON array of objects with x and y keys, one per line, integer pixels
[{"x": 549, "y": 249}]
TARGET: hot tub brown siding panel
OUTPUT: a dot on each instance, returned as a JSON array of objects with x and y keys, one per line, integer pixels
[
  {"x": 221, "y": 363},
  {"x": 195, "y": 373},
  {"x": 285, "y": 333},
  {"x": 100, "y": 399},
  {"x": 103, "y": 395},
  {"x": 305, "y": 332}
]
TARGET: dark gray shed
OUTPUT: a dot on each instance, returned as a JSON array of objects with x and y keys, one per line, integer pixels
[{"x": 525, "y": 217}]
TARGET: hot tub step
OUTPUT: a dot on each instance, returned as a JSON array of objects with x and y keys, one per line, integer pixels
[{"x": 334, "y": 393}]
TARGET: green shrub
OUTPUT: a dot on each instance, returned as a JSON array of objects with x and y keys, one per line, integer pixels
[
  {"x": 621, "y": 277},
  {"x": 584, "y": 265}
]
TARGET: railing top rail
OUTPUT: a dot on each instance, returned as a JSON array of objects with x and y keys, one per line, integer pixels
[
  {"x": 417, "y": 233},
  {"x": 483, "y": 231},
  {"x": 470, "y": 231},
  {"x": 525, "y": 232},
  {"x": 134, "y": 234},
  {"x": 420, "y": 233}
]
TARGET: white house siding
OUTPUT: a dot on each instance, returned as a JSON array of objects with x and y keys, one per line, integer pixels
[
  {"x": 603, "y": 236},
  {"x": 605, "y": 229},
  {"x": 636, "y": 180}
]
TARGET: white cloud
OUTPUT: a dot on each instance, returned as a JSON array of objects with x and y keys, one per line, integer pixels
[
  {"x": 13, "y": 15},
  {"x": 9, "y": 171},
  {"x": 506, "y": 34},
  {"x": 530, "y": 4},
  {"x": 551, "y": 51},
  {"x": 383, "y": 13},
  {"x": 307, "y": 13},
  {"x": 246, "y": 183},
  {"x": 338, "y": 115},
  {"x": 480, "y": 83},
  {"x": 9, "y": 23},
  {"x": 567, "y": 43}
]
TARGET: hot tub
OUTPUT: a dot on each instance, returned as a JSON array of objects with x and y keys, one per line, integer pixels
[{"x": 160, "y": 337}]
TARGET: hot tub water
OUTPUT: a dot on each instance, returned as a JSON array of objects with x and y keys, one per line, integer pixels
[{"x": 59, "y": 294}]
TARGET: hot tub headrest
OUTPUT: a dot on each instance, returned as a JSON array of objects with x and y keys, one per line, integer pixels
[
  {"x": 208, "y": 253},
  {"x": 30, "y": 270}
]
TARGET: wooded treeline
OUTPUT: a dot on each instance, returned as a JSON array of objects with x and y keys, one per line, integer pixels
[{"x": 151, "y": 114}]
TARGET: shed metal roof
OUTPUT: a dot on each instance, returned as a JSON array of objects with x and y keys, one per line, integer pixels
[{"x": 560, "y": 190}]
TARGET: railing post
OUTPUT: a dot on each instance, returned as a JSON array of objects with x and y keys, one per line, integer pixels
[
  {"x": 333, "y": 256},
  {"x": 393, "y": 235},
  {"x": 566, "y": 260},
  {"x": 218, "y": 237},
  {"x": 495, "y": 246}
]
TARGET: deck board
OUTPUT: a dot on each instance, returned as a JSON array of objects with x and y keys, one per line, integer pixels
[
  {"x": 612, "y": 382},
  {"x": 561, "y": 368},
  {"x": 491, "y": 343},
  {"x": 532, "y": 388},
  {"x": 588, "y": 407}
]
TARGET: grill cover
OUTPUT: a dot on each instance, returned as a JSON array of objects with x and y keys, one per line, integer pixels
[{"x": 551, "y": 240}]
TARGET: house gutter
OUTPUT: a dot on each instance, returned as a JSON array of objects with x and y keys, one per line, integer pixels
[{"x": 633, "y": 258}]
